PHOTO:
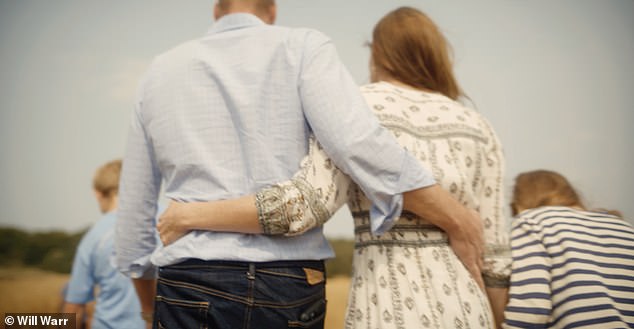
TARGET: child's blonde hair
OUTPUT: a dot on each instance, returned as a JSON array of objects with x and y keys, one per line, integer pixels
[
  {"x": 106, "y": 180},
  {"x": 541, "y": 188}
]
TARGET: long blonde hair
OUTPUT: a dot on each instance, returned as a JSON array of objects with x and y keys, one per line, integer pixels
[{"x": 409, "y": 47}]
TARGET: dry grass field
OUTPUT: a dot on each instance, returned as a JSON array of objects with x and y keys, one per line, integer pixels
[
  {"x": 337, "y": 295},
  {"x": 30, "y": 290},
  {"x": 34, "y": 291}
]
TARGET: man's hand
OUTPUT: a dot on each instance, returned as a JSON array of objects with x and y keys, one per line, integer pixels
[
  {"x": 463, "y": 226},
  {"x": 468, "y": 244}
]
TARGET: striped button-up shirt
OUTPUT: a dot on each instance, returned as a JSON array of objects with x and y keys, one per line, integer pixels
[{"x": 230, "y": 113}]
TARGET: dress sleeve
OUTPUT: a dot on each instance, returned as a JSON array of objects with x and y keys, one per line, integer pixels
[
  {"x": 490, "y": 191},
  {"x": 530, "y": 302},
  {"x": 306, "y": 201}
]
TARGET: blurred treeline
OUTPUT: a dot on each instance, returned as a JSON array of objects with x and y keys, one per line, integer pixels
[
  {"x": 51, "y": 251},
  {"x": 342, "y": 264},
  {"x": 54, "y": 251}
]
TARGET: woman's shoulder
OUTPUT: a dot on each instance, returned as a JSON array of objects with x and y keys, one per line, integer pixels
[
  {"x": 422, "y": 111},
  {"x": 390, "y": 95}
]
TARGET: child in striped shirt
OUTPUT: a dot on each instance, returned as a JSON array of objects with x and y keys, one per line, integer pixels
[{"x": 572, "y": 267}]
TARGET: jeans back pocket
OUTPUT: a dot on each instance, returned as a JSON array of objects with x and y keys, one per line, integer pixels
[
  {"x": 312, "y": 316},
  {"x": 175, "y": 313}
]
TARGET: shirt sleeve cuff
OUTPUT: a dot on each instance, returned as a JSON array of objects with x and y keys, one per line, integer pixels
[
  {"x": 383, "y": 216},
  {"x": 497, "y": 266},
  {"x": 385, "y": 211},
  {"x": 142, "y": 268}
]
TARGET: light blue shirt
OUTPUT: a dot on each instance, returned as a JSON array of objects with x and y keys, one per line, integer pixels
[
  {"x": 117, "y": 304},
  {"x": 230, "y": 113}
]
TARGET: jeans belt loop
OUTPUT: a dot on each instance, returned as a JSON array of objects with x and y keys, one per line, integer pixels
[{"x": 251, "y": 272}]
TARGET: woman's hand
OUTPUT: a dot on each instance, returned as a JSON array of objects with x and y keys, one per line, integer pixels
[{"x": 175, "y": 222}]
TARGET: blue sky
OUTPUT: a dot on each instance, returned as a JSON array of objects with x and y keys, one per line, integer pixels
[{"x": 554, "y": 78}]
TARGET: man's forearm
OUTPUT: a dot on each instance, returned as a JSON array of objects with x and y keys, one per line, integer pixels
[
  {"x": 437, "y": 206},
  {"x": 146, "y": 291}
]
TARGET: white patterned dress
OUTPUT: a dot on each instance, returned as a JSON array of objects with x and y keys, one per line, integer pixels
[{"x": 408, "y": 277}]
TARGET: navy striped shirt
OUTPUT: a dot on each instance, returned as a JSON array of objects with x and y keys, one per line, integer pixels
[{"x": 571, "y": 269}]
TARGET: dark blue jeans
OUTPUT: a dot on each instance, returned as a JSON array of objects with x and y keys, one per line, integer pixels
[{"x": 239, "y": 295}]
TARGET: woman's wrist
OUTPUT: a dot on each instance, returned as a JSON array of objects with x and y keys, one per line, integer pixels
[{"x": 200, "y": 216}]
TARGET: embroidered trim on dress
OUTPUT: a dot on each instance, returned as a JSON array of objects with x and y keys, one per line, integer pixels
[
  {"x": 395, "y": 123},
  {"x": 401, "y": 243},
  {"x": 272, "y": 210},
  {"x": 281, "y": 208}
]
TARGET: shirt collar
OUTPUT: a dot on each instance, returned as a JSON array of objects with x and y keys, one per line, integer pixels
[
  {"x": 234, "y": 22},
  {"x": 112, "y": 212}
]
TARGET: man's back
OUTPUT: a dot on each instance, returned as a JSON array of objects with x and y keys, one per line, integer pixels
[
  {"x": 223, "y": 112},
  {"x": 221, "y": 117}
]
